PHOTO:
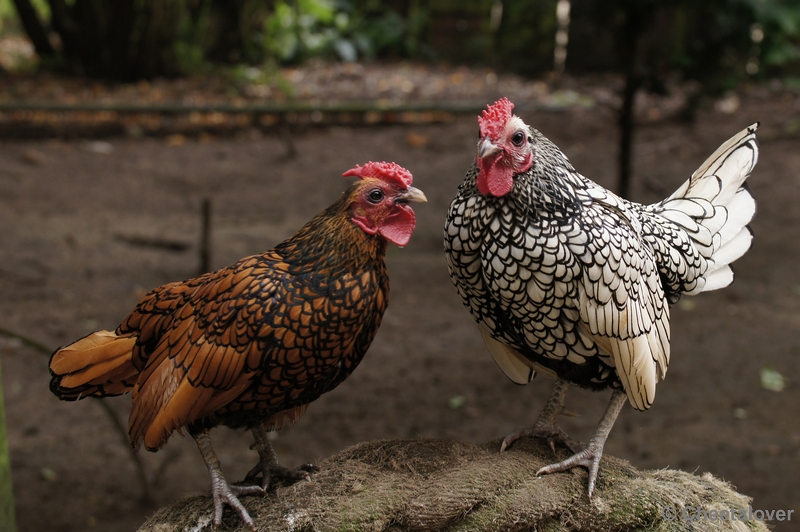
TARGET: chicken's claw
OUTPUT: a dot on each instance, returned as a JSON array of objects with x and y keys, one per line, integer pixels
[
  {"x": 588, "y": 458},
  {"x": 550, "y": 432},
  {"x": 222, "y": 492},
  {"x": 272, "y": 471}
]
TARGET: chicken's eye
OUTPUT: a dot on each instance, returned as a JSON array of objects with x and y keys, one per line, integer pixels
[
  {"x": 375, "y": 195},
  {"x": 518, "y": 138}
]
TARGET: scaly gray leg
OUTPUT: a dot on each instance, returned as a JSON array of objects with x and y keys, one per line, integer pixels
[
  {"x": 221, "y": 491},
  {"x": 545, "y": 425},
  {"x": 590, "y": 456},
  {"x": 268, "y": 465}
]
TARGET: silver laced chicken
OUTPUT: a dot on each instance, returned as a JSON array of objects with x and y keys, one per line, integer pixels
[{"x": 569, "y": 280}]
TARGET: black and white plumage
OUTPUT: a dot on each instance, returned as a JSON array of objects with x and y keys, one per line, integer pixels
[{"x": 570, "y": 280}]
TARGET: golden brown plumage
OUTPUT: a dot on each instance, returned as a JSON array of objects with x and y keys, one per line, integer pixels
[{"x": 251, "y": 345}]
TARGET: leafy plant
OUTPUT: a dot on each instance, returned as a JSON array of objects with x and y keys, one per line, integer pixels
[
  {"x": 776, "y": 33},
  {"x": 341, "y": 29}
]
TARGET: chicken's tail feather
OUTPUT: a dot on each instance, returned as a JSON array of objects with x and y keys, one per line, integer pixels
[
  {"x": 97, "y": 365},
  {"x": 715, "y": 207}
]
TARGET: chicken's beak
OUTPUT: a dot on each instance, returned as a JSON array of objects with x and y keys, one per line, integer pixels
[
  {"x": 487, "y": 148},
  {"x": 412, "y": 194}
]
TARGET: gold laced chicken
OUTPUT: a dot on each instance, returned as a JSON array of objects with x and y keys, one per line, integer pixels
[{"x": 249, "y": 346}]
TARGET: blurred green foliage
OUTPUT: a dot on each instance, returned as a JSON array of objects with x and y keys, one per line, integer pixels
[
  {"x": 777, "y": 32},
  {"x": 525, "y": 38},
  {"x": 711, "y": 42},
  {"x": 8, "y": 13},
  {"x": 717, "y": 42},
  {"x": 341, "y": 29}
]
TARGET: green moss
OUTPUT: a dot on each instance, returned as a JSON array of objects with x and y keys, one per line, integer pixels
[{"x": 7, "y": 521}]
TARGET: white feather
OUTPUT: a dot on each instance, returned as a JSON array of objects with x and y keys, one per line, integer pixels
[
  {"x": 682, "y": 219},
  {"x": 719, "y": 278},
  {"x": 732, "y": 250},
  {"x": 513, "y": 364},
  {"x": 729, "y": 165},
  {"x": 721, "y": 175},
  {"x": 741, "y": 210},
  {"x": 719, "y": 181},
  {"x": 636, "y": 369},
  {"x": 717, "y": 221},
  {"x": 695, "y": 207}
]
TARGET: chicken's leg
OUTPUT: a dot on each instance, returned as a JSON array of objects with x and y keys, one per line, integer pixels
[
  {"x": 590, "y": 456},
  {"x": 268, "y": 465},
  {"x": 545, "y": 425},
  {"x": 221, "y": 491}
]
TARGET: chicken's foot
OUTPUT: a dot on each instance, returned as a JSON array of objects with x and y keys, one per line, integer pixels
[
  {"x": 545, "y": 425},
  {"x": 269, "y": 467},
  {"x": 590, "y": 456},
  {"x": 221, "y": 491}
]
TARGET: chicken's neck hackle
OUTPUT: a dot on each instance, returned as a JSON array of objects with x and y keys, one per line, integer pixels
[{"x": 331, "y": 238}]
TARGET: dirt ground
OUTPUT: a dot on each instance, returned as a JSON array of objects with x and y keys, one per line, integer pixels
[{"x": 87, "y": 229}]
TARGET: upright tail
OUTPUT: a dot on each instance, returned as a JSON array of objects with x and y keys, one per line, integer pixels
[
  {"x": 715, "y": 205},
  {"x": 97, "y": 365}
]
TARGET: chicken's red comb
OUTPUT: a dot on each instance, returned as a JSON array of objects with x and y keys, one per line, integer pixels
[
  {"x": 493, "y": 120},
  {"x": 383, "y": 170}
]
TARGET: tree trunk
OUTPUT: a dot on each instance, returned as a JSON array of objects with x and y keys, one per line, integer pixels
[
  {"x": 626, "y": 131},
  {"x": 118, "y": 39},
  {"x": 121, "y": 21},
  {"x": 33, "y": 27},
  {"x": 128, "y": 40},
  {"x": 630, "y": 35},
  {"x": 63, "y": 24}
]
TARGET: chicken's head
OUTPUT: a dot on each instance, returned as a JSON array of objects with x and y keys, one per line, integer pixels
[
  {"x": 505, "y": 148},
  {"x": 381, "y": 201}
]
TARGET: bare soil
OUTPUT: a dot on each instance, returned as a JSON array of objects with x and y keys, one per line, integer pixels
[{"x": 87, "y": 229}]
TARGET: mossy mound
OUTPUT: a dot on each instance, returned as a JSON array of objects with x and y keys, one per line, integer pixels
[{"x": 404, "y": 485}]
